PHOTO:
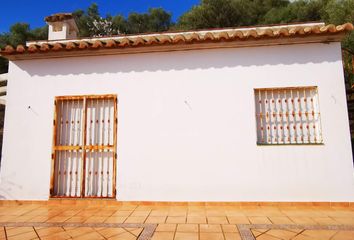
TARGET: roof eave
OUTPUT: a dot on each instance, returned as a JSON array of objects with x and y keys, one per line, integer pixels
[{"x": 323, "y": 38}]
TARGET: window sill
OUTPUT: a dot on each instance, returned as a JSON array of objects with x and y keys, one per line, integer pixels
[{"x": 290, "y": 144}]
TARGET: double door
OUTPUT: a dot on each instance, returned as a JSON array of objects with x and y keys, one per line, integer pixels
[{"x": 84, "y": 147}]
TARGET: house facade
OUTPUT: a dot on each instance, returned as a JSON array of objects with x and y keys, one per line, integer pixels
[{"x": 227, "y": 115}]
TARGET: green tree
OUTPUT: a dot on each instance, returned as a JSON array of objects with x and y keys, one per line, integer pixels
[
  {"x": 120, "y": 24},
  {"x": 156, "y": 20},
  {"x": 297, "y": 11},
  {"x": 19, "y": 34},
  {"x": 137, "y": 23},
  {"x": 159, "y": 20},
  {"x": 227, "y": 13},
  {"x": 85, "y": 20}
]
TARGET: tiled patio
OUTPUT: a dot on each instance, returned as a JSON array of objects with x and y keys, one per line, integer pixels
[{"x": 167, "y": 222}]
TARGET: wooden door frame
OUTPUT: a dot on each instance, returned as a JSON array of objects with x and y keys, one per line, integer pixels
[{"x": 84, "y": 148}]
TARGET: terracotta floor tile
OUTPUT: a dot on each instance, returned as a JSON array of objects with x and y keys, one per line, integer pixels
[
  {"x": 96, "y": 219},
  {"x": 175, "y": 219},
  {"x": 196, "y": 219},
  {"x": 2, "y": 234},
  {"x": 123, "y": 236},
  {"x": 115, "y": 219},
  {"x": 163, "y": 236},
  {"x": 266, "y": 237},
  {"x": 211, "y": 236},
  {"x": 160, "y": 219},
  {"x": 344, "y": 235},
  {"x": 86, "y": 213},
  {"x": 122, "y": 214},
  {"x": 303, "y": 220},
  {"x": 282, "y": 234},
  {"x": 16, "y": 231},
  {"x": 187, "y": 228},
  {"x": 229, "y": 228},
  {"x": 186, "y": 236},
  {"x": 7, "y": 218},
  {"x": 128, "y": 207},
  {"x": 280, "y": 220},
  {"x": 273, "y": 213},
  {"x": 259, "y": 220},
  {"x": 158, "y": 213},
  {"x": 58, "y": 219},
  {"x": 320, "y": 234},
  {"x": 78, "y": 231},
  {"x": 166, "y": 227},
  {"x": 344, "y": 220},
  {"x": 39, "y": 219},
  {"x": 77, "y": 219},
  {"x": 56, "y": 236},
  {"x": 24, "y": 218},
  {"x": 104, "y": 213},
  {"x": 254, "y": 213},
  {"x": 231, "y": 213},
  {"x": 135, "y": 220},
  {"x": 340, "y": 213},
  {"x": 325, "y": 220},
  {"x": 24, "y": 236},
  {"x": 135, "y": 231},
  {"x": 89, "y": 236},
  {"x": 258, "y": 232},
  {"x": 232, "y": 236},
  {"x": 140, "y": 214},
  {"x": 196, "y": 213},
  {"x": 177, "y": 213},
  {"x": 110, "y": 232},
  {"x": 215, "y": 213},
  {"x": 238, "y": 220},
  {"x": 48, "y": 231},
  {"x": 217, "y": 220},
  {"x": 209, "y": 228}
]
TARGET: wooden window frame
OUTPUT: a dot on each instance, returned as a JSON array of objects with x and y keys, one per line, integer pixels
[{"x": 85, "y": 147}]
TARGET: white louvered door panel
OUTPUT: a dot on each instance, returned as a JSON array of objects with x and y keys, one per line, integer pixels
[{"x": 84, "y": 147}]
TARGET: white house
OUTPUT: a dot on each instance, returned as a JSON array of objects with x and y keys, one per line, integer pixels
[{"x": 230, "y": 115}]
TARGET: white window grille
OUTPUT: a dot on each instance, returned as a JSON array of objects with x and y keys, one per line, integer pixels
[{"x": 288, "y": 116}]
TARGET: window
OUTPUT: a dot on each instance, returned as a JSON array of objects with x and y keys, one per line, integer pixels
[
  {"x": 288, "y": 116},
  {"x": 84, "y": 147}
]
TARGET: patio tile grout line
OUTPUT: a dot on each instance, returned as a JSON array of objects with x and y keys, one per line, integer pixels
[
  {"x": 36, "y": 232},
  {"x": 5, "y": 233}
]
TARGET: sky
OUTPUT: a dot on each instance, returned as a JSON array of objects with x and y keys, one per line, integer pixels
[{"x": 34, "y": 12}]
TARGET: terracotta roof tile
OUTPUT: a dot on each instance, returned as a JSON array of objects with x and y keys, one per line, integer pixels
[
  {"x": 59, "y": 17},
  {"x": 110, "y": 43},
  {"x": 44, "y": 47},
  {"x": 276, "y": 33},
  {"x": 32, "y": 48},
  {"x": 20, "y": 49},
  {"x": 97, "y": 44},
  {"x": 57, "y": 47},
  {"x": 83, "y": 45},
  {"x": 70, "y": 45}
]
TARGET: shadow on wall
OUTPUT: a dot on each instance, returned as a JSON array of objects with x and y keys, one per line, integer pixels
[{"x": 181, "y": 60}]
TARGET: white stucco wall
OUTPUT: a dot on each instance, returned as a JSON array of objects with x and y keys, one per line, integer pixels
[{"x": 186, "y": 124}]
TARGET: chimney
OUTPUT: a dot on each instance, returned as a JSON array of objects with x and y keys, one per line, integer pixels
[{"x": 61, "y": 26}]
